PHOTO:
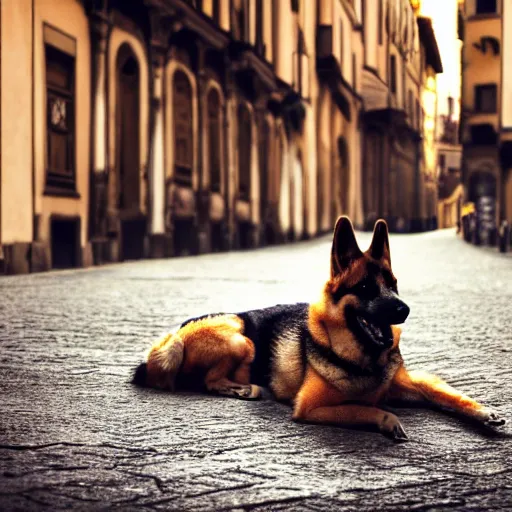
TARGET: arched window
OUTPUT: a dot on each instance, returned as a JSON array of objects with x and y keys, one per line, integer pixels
[
  {"x": 127, "y": 127},
  {"x": 214, "y": 131},
  {"x": 183, "y": 129},
  {"x": 244, "y": 152},
  {"x": 264, "y": 158},
  {"x": 276, "y": 171}
]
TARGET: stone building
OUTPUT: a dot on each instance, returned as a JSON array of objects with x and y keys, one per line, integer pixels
[
  {"x": 485, "y": 27},
  {"x": 399, "y": 94},
  {"x": 153, "y": 128},
  {"x": 449, "y": 153}
]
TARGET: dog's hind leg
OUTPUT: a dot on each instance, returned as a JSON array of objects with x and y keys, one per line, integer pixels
[
  {"x": 217, "y": 382},
  {"x": 230, "y": 376},
  {"x": 418, "y": 386}
]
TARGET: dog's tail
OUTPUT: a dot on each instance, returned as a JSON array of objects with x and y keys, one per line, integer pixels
[
  {"x": 163, "y": 363},
  {"x": 140, "y": 375}
]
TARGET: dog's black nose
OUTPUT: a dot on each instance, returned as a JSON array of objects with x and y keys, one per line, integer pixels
[{"x": 401, "y": 313}]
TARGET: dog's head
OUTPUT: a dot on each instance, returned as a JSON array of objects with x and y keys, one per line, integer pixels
[{"x": 363, "y": 286}]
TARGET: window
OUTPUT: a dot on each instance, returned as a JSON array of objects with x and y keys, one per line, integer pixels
[
  {"x": 214, "y": 148},
  {"x": 240, "y": 20},
  {"x": 260, "y": 40},
  {"x": 380, "y": 22},
  {"x": 418, "y": 114},
  {"x": 216, "y": 11},
  {"x": 485, "y": 98},
  {"x": 392, "y": 74},
  {"x": 264, "y": 157},
  {"x": 301, "y": 66},
  {"x": 60, "y": 107},
  {"x": 244, "y": 152},
  {"x": 486, "y": 6},
  {"x": 442, "y": 161},
  {"x": 183, "y": 134}
]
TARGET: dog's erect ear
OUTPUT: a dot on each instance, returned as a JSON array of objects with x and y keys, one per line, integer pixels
[
  {"x": 379, "y": 249},
  {"x": 344, "y": 246}
]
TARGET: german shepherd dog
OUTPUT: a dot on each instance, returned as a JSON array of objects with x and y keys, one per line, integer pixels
[{"x": 336, "y": 360}]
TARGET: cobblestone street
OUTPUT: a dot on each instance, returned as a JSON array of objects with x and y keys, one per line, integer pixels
[{"x": 74, "y": 433}]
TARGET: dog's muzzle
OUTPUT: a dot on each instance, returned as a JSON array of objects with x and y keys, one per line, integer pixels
[{"x": 389, "y": 309}]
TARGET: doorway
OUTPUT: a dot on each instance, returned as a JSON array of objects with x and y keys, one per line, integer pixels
[
  {"x": 65, "y": 242},
  {"x": 132, "y": 222}
]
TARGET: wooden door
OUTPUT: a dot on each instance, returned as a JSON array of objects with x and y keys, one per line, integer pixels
[{"x": 128, "y": 132}]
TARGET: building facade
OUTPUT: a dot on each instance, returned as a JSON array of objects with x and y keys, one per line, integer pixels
[
  {"x": 486, "y": 116},
  {"x": 155, "y": 128},
  {"x": 449, "y": 155},
  {"x": 399, "y": 94}
]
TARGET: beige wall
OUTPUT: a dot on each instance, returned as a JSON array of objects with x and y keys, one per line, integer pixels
[
  {"x": 58, "y": 14},
  {"x": 371, "y": 56},
  {"x": 283, "y": 47},
  {"x": 16, "y": 108},
  {"x": 342, "y": 40},
  {"x": 447, "y": 209},
  {"x": 480, "y": 68},
  {"x": 506, "y": 59},
  {"x": 429, "y": 102}
]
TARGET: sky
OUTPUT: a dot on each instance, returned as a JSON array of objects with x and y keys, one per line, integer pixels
[{"x": 444, "y": 21}]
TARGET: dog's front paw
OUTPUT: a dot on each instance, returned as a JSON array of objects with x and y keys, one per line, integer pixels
[
  {"x": 391, "y": 427},
  {"x": 493, "y": 418}
]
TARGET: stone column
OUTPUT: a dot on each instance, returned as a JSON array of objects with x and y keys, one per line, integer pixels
[
  {"x": 99, "y": 182},
  {"x": 259, "y": 230},
  {"x": 159, "y": 231},
  {"x": 228, "y": 167},
  {"x": 202, "y": 220}
]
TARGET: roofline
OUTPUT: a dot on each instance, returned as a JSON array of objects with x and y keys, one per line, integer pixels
[{"x": 429, "y": 40}]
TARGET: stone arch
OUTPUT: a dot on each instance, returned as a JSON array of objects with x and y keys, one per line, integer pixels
[
  {"x": 324, "y": 189},
  {"x": 264, "y": 160},
  {"x": 372, "y": 174},
  {"x": 215, "y": 175},
  {"x": 482, "y": 182},
  {"x": 184, "y": 136},
  {"x": 126, "y": 42},
  {"x": 344, "y": 163},
  {"x": 483, "y": 192},
  {"x": 245, "y": 139},
  {"x": 173, "y": 68},
  {"x": 127, "y": 121}
]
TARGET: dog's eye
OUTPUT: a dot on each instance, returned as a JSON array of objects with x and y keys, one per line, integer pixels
[{"x": 366, "y": 290}]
